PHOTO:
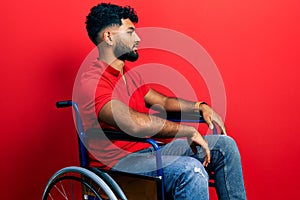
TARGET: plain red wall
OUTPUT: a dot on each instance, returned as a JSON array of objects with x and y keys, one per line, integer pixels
[{"x": 255, "y": 45}]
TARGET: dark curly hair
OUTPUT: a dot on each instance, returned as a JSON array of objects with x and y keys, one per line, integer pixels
[{"x": 104, "y": 15}]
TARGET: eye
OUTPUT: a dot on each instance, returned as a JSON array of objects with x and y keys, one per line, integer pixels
[{"x": 130, "y": 31}]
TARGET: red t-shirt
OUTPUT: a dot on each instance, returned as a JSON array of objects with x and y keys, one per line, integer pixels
[{"x": 96, "y": 86}]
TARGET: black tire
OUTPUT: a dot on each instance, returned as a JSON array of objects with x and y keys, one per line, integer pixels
[{"x": 77, "y": 183}]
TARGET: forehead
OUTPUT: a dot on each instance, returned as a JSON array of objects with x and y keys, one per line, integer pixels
[{"x": 126, "y": 23}]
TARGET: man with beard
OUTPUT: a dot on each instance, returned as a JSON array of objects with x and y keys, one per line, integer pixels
[{"x": 111, "y": 95}]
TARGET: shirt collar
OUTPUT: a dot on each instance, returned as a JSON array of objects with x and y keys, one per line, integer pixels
[{"x": 109, "y": 68}]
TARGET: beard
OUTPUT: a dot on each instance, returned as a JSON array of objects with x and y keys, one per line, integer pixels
[
  {"x": 130, "y": 56},
  {"x": 123, "y": 52}
]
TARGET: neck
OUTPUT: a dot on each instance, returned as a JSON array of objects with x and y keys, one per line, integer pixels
[{"x": 111, "y": 60}]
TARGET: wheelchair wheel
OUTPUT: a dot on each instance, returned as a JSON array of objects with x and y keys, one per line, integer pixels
[{"x": 77, "y": 183}]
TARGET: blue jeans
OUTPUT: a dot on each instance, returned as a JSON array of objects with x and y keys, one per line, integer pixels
[{"x": 184, "y": 175}]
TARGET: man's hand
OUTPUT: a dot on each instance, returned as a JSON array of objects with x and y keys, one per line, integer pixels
[
  {"x": 198, "y": 140},
  {"x": 211, "y": 116}
]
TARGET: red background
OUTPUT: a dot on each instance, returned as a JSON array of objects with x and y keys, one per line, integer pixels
[{"x": 254, "y": 44}]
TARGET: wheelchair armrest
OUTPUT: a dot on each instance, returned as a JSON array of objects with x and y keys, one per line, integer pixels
[
  {"x": 184, "y": 117},
  {"x": 113, "y": 135}
]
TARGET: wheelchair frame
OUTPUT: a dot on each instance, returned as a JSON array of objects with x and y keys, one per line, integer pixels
[{"x": 102, "y": 180}]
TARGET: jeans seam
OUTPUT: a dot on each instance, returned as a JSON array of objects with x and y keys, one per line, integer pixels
[{"x": 227, "y": 187}]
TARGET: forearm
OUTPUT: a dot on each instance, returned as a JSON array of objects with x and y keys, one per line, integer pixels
[
  {"x": 176, "y": 104},
  {"x": 140, "y": 124},
  {"x": 158, "y": 101},
  {"x": 149, "y": 125}
]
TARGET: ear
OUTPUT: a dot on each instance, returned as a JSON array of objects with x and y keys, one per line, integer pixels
[{"x": 107, "y": 37}]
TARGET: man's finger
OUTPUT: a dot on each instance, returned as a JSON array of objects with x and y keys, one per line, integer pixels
[
  {"x": 209, "y": 122},
  {"x": 206, "y": 161},
  {"x": 194, "y": 149},
  {"x": 208, "y": 156},
  {"x": 224, "y": 130},
  {"x": 211, "y": 126},
  {"x": 217, "y": 119},
  {"x": 222, "y": 126}
]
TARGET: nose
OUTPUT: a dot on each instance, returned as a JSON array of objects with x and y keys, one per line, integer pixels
[{"x": 137, "y": 38}]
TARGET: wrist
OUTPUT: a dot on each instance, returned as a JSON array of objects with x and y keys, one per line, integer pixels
[
  {"x": 197, "y": 106},
  {"x": 196, "y": 136},
  {"x": 191, "y": 131}
]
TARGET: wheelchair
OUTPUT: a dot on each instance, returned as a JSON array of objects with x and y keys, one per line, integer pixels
[{"x": 84, "y": 182}]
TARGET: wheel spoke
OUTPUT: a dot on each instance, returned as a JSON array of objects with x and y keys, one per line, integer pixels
[{"x": 62, "y": 194}]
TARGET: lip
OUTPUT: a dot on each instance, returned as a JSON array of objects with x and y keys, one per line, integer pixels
[{"x": 135, "y": 48}]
